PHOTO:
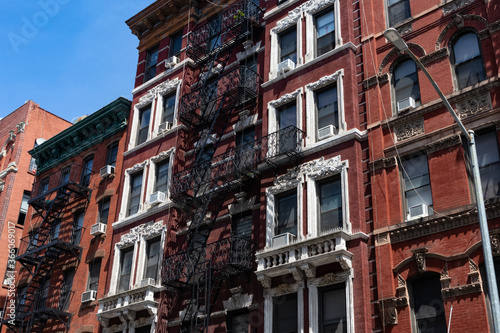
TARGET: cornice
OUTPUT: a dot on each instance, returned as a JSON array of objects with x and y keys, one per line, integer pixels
[{"x": 86, "y": 133}]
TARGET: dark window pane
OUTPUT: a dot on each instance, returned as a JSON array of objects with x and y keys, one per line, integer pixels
[
  {"x": 285, "y": 314},
  {"x": 144, "y": 116},
  {"x": 469, "y": 67},
  {"x": 24, "y": 208},
  {"x": 87, "y": 171},
  {"x": 330, "y": 204},
  {"x": 125, "y": 269},
  {"x": 104, "y": 210},
  {"x": 153, "y": 258},
  {"x": 65, "y": 173},
  {"x": 143, "y": 329},
  {"x": 489, "y": 163},
  {"x": 175, "y": 44},
  {"x": 162, "y": 176},
  {"x": 325, "y": 31},
  {"x": 238, "y": 323},
  {"x": 428, "y": 307},
  {"x": 417, "y": 185},
  {"x": 66, "y": 289},
  {"x": 135, "y": 193},
  {"x": 77, "y": 227},
  {"x": 168, "y": 109},
  {"x": 332, "y": 306},
  {"x": 406, "y": 81},
  {"x": 94, "y": 271},
  {"x": 151, "y": 61},
  {"x": 327, "y": 104},
  {"x": 288, "y": 45},
  {"x": 242, "y": 225},
  {"x": 286, "y": 213},
  {"x": 111, "y": 154},
  {"x": 399, "y": 11}
]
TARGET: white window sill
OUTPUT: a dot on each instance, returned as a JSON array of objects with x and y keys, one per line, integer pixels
[{"x": 342, "y": 137}]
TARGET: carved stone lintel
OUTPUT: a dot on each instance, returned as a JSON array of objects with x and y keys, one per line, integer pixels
[
  {"x": 445, "y": 278},
  {"x": 409, "y": 130},
  {"x": 298, "y": 275},
  {"x": 309, "y": 270},
  {"x": 383, "y": 163},
  {"x": 284, "y": 288},
  {"x": 264, "y": 280},
  {"x": 462, "y": 290},
  {"x": 431, "y": 57},
  {"x": 419, "y": 256},
  {"x": 137, "y": 167},
  {"x": 246, "y": 120},
  {"x": 238, "y": 301},
  {"x": 325, "y": 80},
  {"x": 285, "y": 98},
  {"x": 455, "y": 5},
  {"x": 310, "y": 7},
  {"x": 146, "y": 230},
  {"x": 158, "y": 90},
  {"x": 241, "y": 204},
  {"x": 474, "y": 105},
  {"x": 401, "y": 288},
  {"x": 162, "y": 156},
  {"x": 443, "y": 143},
  {"x": 394, "y": 302}
]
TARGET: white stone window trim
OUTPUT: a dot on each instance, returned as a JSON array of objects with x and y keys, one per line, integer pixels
[
  {"x": 126, "y": 189},
  {"x": 311, "y": 117},
  {"x": 134, "y": 238},
  {"x": 330, "y": 279},
  {"x": 291, "y": 180},
  {"x": 310, "y": 11},
  {"x": 154, "y": 161},
  {"x": 162, "y": 90},
  {"x": 144, "y": 321},
  {"x": 143, "y": 247},
  {"x": 281, "y": 290},
  {"x": 293, "y": 18},
  {"x": 273, "y": 106},
  {"x": 318, "y": 170}
]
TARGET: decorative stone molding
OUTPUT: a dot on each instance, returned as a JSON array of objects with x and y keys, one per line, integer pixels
[
  {"x": 389, "y": 314},
  {"x": 474, "y": 272},
  {"x": 242, "y": 204},
  {"x": 371, "y": 81},
  {"x": 264, "y": 280},
  {"x": 461, "y": 290},
  {"x": 443, "y": 143},
  {"x": 143, "y": 321},
  {"x": 250, "y": 50},
  {"x": 12, "y": 167},
  {"x": 246, "y": 120},
  {"x": 297, "y": 273},
  {"x": 10, "y": 138},
  {"x": 431, "y": 57},
  {"x": 382, "y": 239},
  {"x": 394, "y": 302},
  {"x": 146, "y": 230},
  {"x": 401, "y": 288},
  {"x": 20, "y": 127},
  {"x": 285, "y": 99},
  {"x": 409, "y": 130},
  {"x": 455, "y": 5},
  {"x": 158, "y": 90},
  {"x": 494, "y": 27},
  {"x": 474, "y": 105},
  {"x": 405, "y": 28},
  {"x": 322, "y": 168},
  {"x": 115, "y": 328},
  {"x": 495, "y": 244},
  {"x": 285, "y": 182},
  {"x": 310, "y": 7},
  {"x": 445, "y": 278},
  {"x": 325, "y": 80},
  {"x": 390, "y": 55},
  {"x": 238, "y": 300},
  {"x": 383, "y": 163},
  {"x": 162, "y": 156},
  {"x": 419, "y": 256},
  {"x": 309, "y": 270},
  {"x": 137, "y": 167}
]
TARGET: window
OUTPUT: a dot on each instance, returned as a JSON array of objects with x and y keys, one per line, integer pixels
[
  {"x": 285, "y": 318},
  {"x": 245, "y": 156},
  {"x": 214, "y": 31},
  {"x": 144, "y": 115},
  {"x": 24, "y": 208},
  {"x": 399, "y": 11},
  {"x": 325, "y": 32},
  {"x": 94, "y": 271},
  {"x": 111, "y": 154},
  {"x": 286, "y": 219},
  {"x": 143, "y": 329},
  {"x": 237, "y": 322},
  {"x": 66, "y": 287},
  {"x": 288, "y": 45},
  {"x": 168, "y": 109},
  {"x": 125, "y": 269},
  {"x": 287, "y": 115},
  {"x": 135, "y": 193},
  {"x": 104, "y": 210},
  {"x": 77, "y": 228},
  {"x": 406, "y": 82},
  {"x": 241, "y": 226},
  {"x": 467, "y": 60},
  {"x": 327, "y": 111},
  {"x": 428, "y": 307},
  {"x": 330, "y": 204},
  {"x": 43, "y": 294},
  {"x": 54, "y": 232},
  {"x": 175, "y": 44},
  {"x": 44, "y": 186},
  {"x": 417, "y": 186},
  {"x": 151, "y": 61},
  {"x": 162, "y": 176},
  {"x": 152, "y": 258},
  {"x": 332, "y": 306},
  {"x": 489, "y": 163},
  {"x": 65, "y": 173},
  {"x": 87, "y": 170}
]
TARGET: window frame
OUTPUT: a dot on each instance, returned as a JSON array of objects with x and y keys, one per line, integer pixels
[
  {"x": 138, "y": 168},
  {"x": 281, "y": 26},
  {"x": 388, "y": 6},
  {"x": 86, "y": 172},
  {"x": 405, "y": 191},
  {"x": 92, "y": 270},
  {"x": 134, "y": 176},
  {"x": 411, "y": 292},
  {"x": 21, "y": 218},
  {"x": 276, "y": 301},
  {"x": 285, "y": 196},
  {"x": 483, "y": 168},
  {"x": 281, "y": 35},
  {"x": 172, "y": 88},
  {"x": 140, "y": 126},
  {"x": 397, "y": 66},
  {"x": 112, "y": 153},
  {"x": 173, "y": 37},
  {"x": 453, "y": 63},
  {"x": 124, "y": 251},
  {"x": 147, "y": 257},
  {"x": 149, "y": 66},
  {"x": 100, "y": 212}
]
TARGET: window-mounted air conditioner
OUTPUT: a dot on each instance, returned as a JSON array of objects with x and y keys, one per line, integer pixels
[
  {"x": 156, "y": 198},
  {"x": 165, "y": 126},
  {"x": 286, "y": 65},
  {"x": 418, "y": 211},
  {"x": 326, "y": 132},
  {"x": 98, "y": 229},
  {"x": 172, "y": 61},
  {"x": 107, "y": 171},
  {"x": 283, "y": 239},
  {"x": 406, "y": 104},
  {"x": 89, "y": 296},
  {"x": 147, "y": 282}
]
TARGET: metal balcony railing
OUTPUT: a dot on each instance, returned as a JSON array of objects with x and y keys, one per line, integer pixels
[
  {"x": 51, "y": 299},
  {"x": 238, "y": 163},
  {"x": 234, "y": 23},
  {"x": 228, "y": 256},
  {"x": 237, "y": 86}
]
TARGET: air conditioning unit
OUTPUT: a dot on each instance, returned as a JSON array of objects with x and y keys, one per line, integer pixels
[
  {"x": 418, "y": 211},
  {"x": 165, "y": 126},
  {"x": 326, "y": 132},
  {"x": 286, "y": 65},
  {"x": 172, "y": 61},
  {"x": 89, "y": 296},
  {"x": 156, "y": 198},
  {"x": 107, "y": 171},
  {"x": 283, "y": 239},
  {"x": 147, "y": 282},
  {"x": 98, "y": 229},
  {"x": 406, "y": 104}
]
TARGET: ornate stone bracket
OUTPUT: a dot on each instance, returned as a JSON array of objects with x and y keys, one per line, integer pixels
[
  {"x": 20, "y": 127},
  {"x": 384, "y": 163},
  {"x": 12, "y": 167},
  {"x": 474, "y": 275},
  {"x": 495, "y": 244},
  {"x": 11, "y": 138},
  {"x": 419, "y": 256},
  {"x": 162, "y": 156},
  {"x": 264, "y": 280},
  {"x": 445, "y": 278},
  {"x": 388, "y": 309},
  {"x": 401, "y": 288},
  {"x": 238, "y": 300},
  {"x": 137, "y": 167},
  {"x": 242, "y": 204}
]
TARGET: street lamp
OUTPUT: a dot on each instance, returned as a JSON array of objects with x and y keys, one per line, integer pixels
[{"x": 394, "y": 37}]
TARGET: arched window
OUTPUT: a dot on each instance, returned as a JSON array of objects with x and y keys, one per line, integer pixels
[
  {"x": 406, "y": 85},
  {"x": 467, "y": 60},
  {"x": 427, "y": 304}
]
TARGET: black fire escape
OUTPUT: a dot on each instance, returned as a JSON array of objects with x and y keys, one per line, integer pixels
[
  {"x": 198, "y": 268},
  {"x": 49, "y": 241}
]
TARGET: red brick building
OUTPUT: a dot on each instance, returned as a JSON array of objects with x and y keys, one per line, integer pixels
[
  {"x": 429, "y": 259},
  {"x": 20, "y": 131},
  {"x": 65, "y": 250}
]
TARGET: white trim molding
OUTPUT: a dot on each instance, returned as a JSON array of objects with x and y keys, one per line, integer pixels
[
  {"x": 167, "y": 154},
  {"x": 272, "y": 107},
  {"x": 162, "y": 90},
  {"x": 287, "y": 22},
  {"x": 126, "y": 188},
  {"x": 281, "y": 290}
]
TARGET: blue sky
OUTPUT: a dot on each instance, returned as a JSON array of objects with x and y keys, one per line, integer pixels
[{"x": 70, "y": 56}]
